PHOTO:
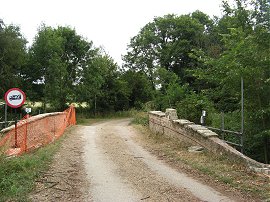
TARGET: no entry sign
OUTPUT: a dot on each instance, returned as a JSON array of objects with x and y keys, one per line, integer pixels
[{"x": 15, "y": 97}]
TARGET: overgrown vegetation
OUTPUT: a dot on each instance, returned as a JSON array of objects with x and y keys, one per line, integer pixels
[
  {"x": 18, "y": 175},
  {"x": 195, "y": 63},
  {"x": 140, "y": 118},
  {"x": 191, "y": 62}
]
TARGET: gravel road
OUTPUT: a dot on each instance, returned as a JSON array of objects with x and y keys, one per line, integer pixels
[
  {"x": 119, "y": 169},
  {"x": 106, "y": 162}
]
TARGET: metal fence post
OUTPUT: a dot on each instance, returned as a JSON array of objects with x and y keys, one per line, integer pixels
[
  {"x": 222, "y": 125},
  {"x": 5, "y": 115},
  {"x": 25, "y": 132},
  {"x": 242, "y": 115}
]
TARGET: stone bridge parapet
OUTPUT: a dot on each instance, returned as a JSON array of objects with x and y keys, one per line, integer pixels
[{"x": 188, "y": 132}]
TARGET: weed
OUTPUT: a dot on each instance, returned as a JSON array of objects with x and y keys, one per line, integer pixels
[
  {"x": 105, "y": 115},
  {"x": 18, "y": 174},
  {"x": 88, "y": 121},
  {"x": 140, "y": 118}
]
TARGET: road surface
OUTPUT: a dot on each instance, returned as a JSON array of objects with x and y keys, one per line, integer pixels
[
  {"x": 121, "y": 170},
  {"x": 104, "y": 163}
]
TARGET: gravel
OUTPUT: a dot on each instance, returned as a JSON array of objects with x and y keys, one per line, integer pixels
[{"x": 105, "y": 162}]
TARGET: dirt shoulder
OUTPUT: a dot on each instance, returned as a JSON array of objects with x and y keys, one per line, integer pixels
[
  {"x": 65, "y": 180},
  {"x": 227, "y": 177}
]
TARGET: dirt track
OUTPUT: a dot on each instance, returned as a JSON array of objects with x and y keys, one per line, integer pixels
[{"x": 104, "y": 162}]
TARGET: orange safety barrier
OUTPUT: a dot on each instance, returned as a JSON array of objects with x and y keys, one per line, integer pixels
[{"x": 33, "y": 132}]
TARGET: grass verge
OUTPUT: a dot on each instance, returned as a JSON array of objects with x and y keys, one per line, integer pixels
[
  {"x": 206, "y": 165},
  {"x": 137, "y": 117},
  {"x": 18, "y": 174},
  {"x": 88, "y": 121}
]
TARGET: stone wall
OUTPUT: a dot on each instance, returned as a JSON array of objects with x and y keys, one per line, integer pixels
[{"x": 168, "y": 124}]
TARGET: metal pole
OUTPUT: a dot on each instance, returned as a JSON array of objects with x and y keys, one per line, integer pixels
[
  {"x": 222, "y": 124},
  {"x": 95, "y": 105},
  {"x": 16, "y": 135},
  {"x": 5, "y": 115},
  {"x": 242, "y": 114},
  {"x": 25, "y": 132}
]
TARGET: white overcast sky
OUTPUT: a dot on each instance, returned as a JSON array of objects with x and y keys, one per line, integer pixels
[{"x": 108, "y": 23}]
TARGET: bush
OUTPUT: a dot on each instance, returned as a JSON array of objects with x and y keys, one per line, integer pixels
[
  {"x": 140, "y": 117},
  {"x": 191, "y": 107}
]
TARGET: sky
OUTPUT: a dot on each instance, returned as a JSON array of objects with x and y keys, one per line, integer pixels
[{"x": 108, "y": 23}]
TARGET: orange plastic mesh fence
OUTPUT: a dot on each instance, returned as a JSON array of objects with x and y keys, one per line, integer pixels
[{"x": 33, "y": 132}]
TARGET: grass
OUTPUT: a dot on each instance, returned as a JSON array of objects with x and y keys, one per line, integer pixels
[
  {"x": 138, "y": 117},
  {"x": 84, "y": 113},
  {"x": 88, "y": 121},
  {"x": 216, "y": 168},
  {"x": 18, "y": 174}
]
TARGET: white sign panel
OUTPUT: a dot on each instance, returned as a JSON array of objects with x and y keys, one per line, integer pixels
[
  {"x": 28, "y": 110},
  {"x": 15, "y": 97}
]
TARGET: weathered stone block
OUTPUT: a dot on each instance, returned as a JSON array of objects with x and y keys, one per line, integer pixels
[
  {"x": 196, "y": 127},
  {"x": 183, "y": 122},
  {"x": 265, "y": 171},
  {"x": 207, "y": 133},
  {"x": 171, "y": 114},
  {"x": 157, "y": 113},
  {"x": 195, "y": 149}
]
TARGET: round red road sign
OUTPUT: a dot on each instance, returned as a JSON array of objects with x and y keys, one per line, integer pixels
[{"x": 15, "y": 97}]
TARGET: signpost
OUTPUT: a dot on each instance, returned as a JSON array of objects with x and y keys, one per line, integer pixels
[{"x": 15, "y": 98}]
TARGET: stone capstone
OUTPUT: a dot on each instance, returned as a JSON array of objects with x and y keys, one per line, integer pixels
[{"x": 171, "y": 114}]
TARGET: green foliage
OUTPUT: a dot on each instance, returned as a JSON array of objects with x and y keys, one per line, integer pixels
[
  {"x": 139, "y": 88},
  {"x": 196, "y": 63},
  {"x": 58, "y": 55},
  {"x": 140, "y": 117},
  {"x": 169, "y": 92},
  {"x": 114, "y": 91},
  {"x": 246, "y": 55},
  {"x": 192, "y": 105},
  {"x": 17, "y": 175},
  {"x": 12, "y": 57},
  {"x": 166, "y": 42}
]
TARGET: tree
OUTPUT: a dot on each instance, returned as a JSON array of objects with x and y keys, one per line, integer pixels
[
  {"x": 169, "y": 91},
  {"x": 167, "y": 43},
  {"x": 12, "y": 57},
  {"x": 194, "y": 62},
  {"x": 246, "y": 55},
  {"x": 139, "y": 89},
  {"x": 91, "y": 81},
  {"x": 56, "y": 60}
]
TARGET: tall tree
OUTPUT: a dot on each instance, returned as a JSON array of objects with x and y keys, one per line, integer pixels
[
  {"x": 57, "y": 57},
  {"x": 114, "y": 91},
  {"x": 167, "y": 43},
  {"x": 12, "y": 57},
  {"x": 139, "y": 88},
  {"x": 246, "y": 55}
]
